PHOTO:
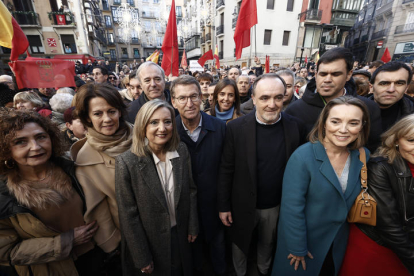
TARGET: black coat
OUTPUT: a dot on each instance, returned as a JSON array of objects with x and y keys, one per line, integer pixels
[
  {"x": 392, "y": 186},
  {"x": 205, "y": 162},
  {"x": 237, "y": 190},
  {"x": 310, "y": 106}
]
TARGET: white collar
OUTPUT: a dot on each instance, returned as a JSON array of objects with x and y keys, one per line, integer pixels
[
  {"x": 262, "y": 123},
  {"x": 170, "y": 155}
]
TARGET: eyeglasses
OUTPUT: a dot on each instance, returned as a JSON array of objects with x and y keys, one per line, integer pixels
[
  {"x": 183, "y": 100},
  {"x": 111, "y": 78}
]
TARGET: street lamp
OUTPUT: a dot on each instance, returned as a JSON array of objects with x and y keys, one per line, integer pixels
[{"x": 301, "y": 56}]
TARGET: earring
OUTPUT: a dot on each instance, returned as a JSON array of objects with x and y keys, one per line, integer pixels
[
  {"x": 397, "y": 146},
  {"x": 8, "y": 165},
  {"x": 146, "y": 141}
]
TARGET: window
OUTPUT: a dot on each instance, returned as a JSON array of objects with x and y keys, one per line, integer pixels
[
  {"x": 156, "y": 1},
  {"x": 159, "y": 40},
  {"x": 108, "y": 22},
  {"x": 131, "y": 2},
  {"x": 147, "y": 26},
  {"x": 111, "y": 38},
  {"x": 286, "y": 35},
  {"x": 267, "y": 37},
  {"x": 117, "y": 2},
  {"x": 136, "y": 53},
  {"x": 69, "y": 40},
  {"x": 105, "y": 5},
  {"x": 290, "y": 5},
  {"x": 270, "y": 4},
  {"x": 35, "y": 44},
  {"x": 113, "y": 53},
  {"x": 124, "y": 52},
  {"x": 178, "y": 11}
]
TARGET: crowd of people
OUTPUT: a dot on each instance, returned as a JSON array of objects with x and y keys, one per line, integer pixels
[{"x": 134, "y": 172}]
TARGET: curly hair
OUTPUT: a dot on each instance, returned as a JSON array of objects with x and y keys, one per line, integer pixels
[{"x": 15, "y": 120}]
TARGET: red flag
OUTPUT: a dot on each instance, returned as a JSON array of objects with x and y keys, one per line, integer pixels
[
  {"x": 170, "y": 45},
  {"x": 184, "y": 60},
  {"x": 267, "y": 64},
  {"x": 247, "y": 19},
  {"x": 216, "y": 57},
  {"x": 43, "y": 73},
  {"x": 11, "y": 35},
  {"x": 306, "y": 59},
  {"x": 386, "y": 57},
  {"x": 207, "y": 56}
]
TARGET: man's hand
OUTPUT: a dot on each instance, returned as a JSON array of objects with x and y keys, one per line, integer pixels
[
  {"x": 192, "y": 238},
  {"x": 226, "y": 218}
]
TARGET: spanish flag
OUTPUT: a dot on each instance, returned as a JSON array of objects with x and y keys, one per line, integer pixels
[
  {"x": 155, "y": 57},
  {"x": 151, "y": 56},
  {"x": 216, "y": 57},
  {"x": 11, "y": 35}
]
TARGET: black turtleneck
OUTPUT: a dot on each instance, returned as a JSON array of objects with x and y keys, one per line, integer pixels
[{"x": 390, "y": 115}]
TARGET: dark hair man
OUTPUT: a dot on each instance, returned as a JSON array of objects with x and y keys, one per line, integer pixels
[
  {"x": 251, "y": 171},
  {"x": 289, "y": 77},
  {"x": 234, "y": 73},
  {"x": 134, "y": 85},
  {"x": 205, "y": 80},
  {"x": 332, "y": 80},
  {"x": 243, "y": 84},
  {"x": 100, "y": 74},
  {"x": 204, "y": 137},
  {"x": 152, "y": 79},
  {"x": 389, "y": 83}
]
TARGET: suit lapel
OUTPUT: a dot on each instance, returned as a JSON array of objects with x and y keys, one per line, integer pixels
[
  {"x": 178, "y": 179},
  {"x": 249, "y": 132},
  {"x": 152, "y": 180},
  {"x": 354, "y": 179}
]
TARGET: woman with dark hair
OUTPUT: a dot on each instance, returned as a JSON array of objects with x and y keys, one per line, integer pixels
[
  {"x": 101, "y": 109},
  {"x": 320, "y": 184},
  {"x": 226, "y": 101},
  {"x": 157, "y": 196},
  {"x": 42, "y": 230},
  {"x": 390, "y": 244}
]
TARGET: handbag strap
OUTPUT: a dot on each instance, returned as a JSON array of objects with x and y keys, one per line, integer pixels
[{"x": 364, "y": 169}]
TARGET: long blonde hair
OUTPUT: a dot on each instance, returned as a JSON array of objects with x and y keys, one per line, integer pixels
[
  {"x": 139, "y": 144},
  {"x": 388, "y": 148}
]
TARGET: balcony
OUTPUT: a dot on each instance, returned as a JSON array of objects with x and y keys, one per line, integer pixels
[
  {"x": 219, "y": 4},
  {"x": 310, "y": 15},
  {"x": 120, "y": 40},
  {"x": 203, "y": 40},
  {"x": 208, "y": 37},
  {"x": 379, "y": 35},
  {"x": 234, "y": 22},
  {"x": 100, "y": 34},
  {"x": 26, "y": 18},
  {"x": 62, "y": 18},
  {"x": 117, "y": 2},
  {"x": 111, "y": 43},
  {"x": 131, "y": 3},
  {"x": 384, "y": 8},
  {"x": 344, "y": 18},
  {"x": 407, "y": 28},
  {"x": 356, "y": 40},
  {"x": 134, "y": 40},
  {"x": 221, "y": 55},
  {"x": 364, "y": 38},
  {"x": 407, "y": 1},
  {"x": 148, "y": 14},
  {"x": 220, "y": 30},
  {"x": 124, "y": 56}
]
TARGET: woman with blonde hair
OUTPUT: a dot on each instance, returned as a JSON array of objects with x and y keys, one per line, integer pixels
[
  {"x": 390, "y": 244},
  {"x": 156, "y": 196},
  {"x": 27, "y": 101}
]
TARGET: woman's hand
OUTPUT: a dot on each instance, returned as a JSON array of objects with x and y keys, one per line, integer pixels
[
  {"x": 148, "y": 269},
  {"x": 299, "y": 259},
  {"x": 84, "y": 233}
]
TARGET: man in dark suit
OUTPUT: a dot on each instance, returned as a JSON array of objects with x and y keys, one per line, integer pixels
[
  {"x": 256, "y": 150},
  {"x": 204, "y": 137}
]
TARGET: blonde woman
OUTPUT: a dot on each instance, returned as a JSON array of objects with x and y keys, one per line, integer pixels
[{"x": 156, "y": 196}]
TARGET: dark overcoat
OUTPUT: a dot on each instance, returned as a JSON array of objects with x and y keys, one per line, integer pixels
[
  {"x": 237, "y": 190},
  {"x": 143, "y": 212},
  {"x": 205, "y": 161}
]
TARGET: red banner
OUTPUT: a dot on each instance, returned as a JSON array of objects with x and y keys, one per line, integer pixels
[
  {"x": 43, "y": 73},
  {"x": 61, "y": 19}
]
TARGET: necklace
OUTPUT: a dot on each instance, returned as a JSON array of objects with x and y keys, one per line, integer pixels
[{"x": 47, "y": 175}]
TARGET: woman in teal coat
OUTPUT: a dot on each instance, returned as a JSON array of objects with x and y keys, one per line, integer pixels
[{"x": 320, "y": 184}]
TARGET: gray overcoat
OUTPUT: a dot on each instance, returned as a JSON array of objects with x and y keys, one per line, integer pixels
[{"x": 144, "y": 216}]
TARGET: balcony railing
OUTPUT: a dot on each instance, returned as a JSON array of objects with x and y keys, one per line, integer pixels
[
  {"x": 221, "y": 55},
  {"x": 26, "y": 18},
  {"x": 134, "y": 40},
  {"x": 407, "y": 28},
  {"x": 220, "y": 30},
  {"x": 234, "y": 22},
  {"x": 220, "y": 3},
  {"x": 117, "y": 2},
  {"x": 61, "y": 18},
  {"x": 407, "y": 1},
  {"x": 148, "y": 14},
  {"x": 379, "y": 34},
  {"x": 312, "y": 14},
  {"x": 384, "y": 8},
  {"x": 208, "y": 37},
  {"x": 364, "y": 38},
  {"x": 131, "y": 2},
  {"x": 111, "y": 43},
  {"x": 101, "y": 36},
  {"x": 124, "y": 56},
  {"x": 356, "y": 40},
  {"x": 203, "y": 40},
  {"x": 120, "y": 40}
]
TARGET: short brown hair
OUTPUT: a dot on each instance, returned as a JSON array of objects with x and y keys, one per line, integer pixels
[
  {"x": 139, "y": 146},
  {"x": 318, "y": 131},
  {"x": 15, "y": 120},
  {"x": 205, "y": 77},
  {"x": 103, "y": 90},
  {"x": 184, "y": 80},
  {"x": 220, "y": 86}
]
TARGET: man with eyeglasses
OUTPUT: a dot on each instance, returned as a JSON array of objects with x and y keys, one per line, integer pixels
[
  {"x": 113, "y": 79},
  {"x": 390, "y": 83},
  {"x": 204, "y": 136},
  {"x": 256, "y": 149}
]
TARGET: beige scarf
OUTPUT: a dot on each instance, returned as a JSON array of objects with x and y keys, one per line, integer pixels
[
  {"x": 112, "y": 145},
  {"x": 54, "y": 191}
]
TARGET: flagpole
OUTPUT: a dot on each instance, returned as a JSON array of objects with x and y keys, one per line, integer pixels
[
  {"x": 250, "y": 57},
  {"x": 255, "y": 44}
]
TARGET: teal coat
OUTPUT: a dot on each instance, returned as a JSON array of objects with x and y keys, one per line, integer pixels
[{"x": 314, "y": 210}]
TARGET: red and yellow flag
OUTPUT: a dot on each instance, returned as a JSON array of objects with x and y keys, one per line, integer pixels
[
  {"x": 155, "y": 57},
  {"x": 216, "y": 57},
  {"x": 151, "y": 56},
  {"x": 11, "y": 35}
]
